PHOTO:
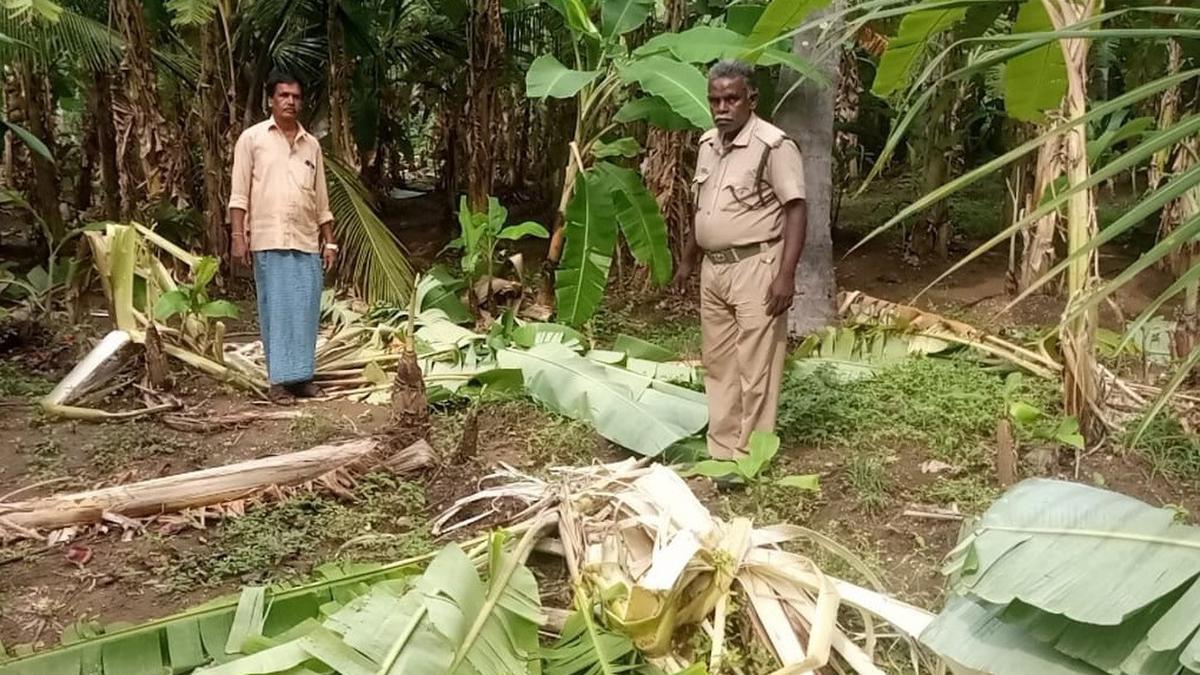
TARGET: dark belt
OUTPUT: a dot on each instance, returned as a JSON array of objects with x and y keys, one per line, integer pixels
[{"x": 726, "y": 256}]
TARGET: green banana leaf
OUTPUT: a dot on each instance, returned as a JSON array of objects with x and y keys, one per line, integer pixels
[
  {"x": 35, "y": 144},
  {"x": 618, "y": 17},
  {"x": 587, "y": 648},
  {"x": 622, "y": 147},
  {"x": 547, "y": 76},
  {"x": 632, "y": 410},
  {"x": 1036, "y": 81},
  {"x": 653, "y": 110},
  {"x": 640, "y": 220},
  {"x": 1099, "y": 577},
  {"x": 971, "y": 635},
  {"x": 906, "y": 47},
  {"x": 681, "y": 85},
  {"x": 858, "y": 354},
  {"x": 577, "y": 15},
  {"x": 638, "y": 348},
  {"x": 778, "y": 18},
  {"x": 447, "y": 621},
  {"x": 591, "y": 236},
  {"x": 200, "y": 635},
  {"x": 701, "y": 44}
]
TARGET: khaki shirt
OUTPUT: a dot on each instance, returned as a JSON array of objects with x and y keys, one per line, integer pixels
[
  {"x": 281, "y": 186},
  {"x": 732, "y": 208}
]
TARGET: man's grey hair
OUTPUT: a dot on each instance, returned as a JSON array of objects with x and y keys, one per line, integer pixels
[{"x": 731, "y": 68}]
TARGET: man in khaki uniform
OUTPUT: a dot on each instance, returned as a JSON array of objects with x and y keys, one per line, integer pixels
[{"x": 751, "y": 222}]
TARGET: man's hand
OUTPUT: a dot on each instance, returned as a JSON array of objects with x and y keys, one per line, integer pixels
[
  {"x": 240, "y": 250},
  {"x": 328, "y": 259},
  {"x": 779, "y": 295}
]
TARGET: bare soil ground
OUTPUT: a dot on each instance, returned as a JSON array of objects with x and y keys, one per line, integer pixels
[{"x": 155, "y": 572}]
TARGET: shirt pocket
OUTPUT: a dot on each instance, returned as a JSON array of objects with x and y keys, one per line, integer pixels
[
  {"x": 741, "y": 192},
  {"x": 698, "y": 181}
]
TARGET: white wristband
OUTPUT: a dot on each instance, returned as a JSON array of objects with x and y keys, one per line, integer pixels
[{"x": 331, "y": 247}]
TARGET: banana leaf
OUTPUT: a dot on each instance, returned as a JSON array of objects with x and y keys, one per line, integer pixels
[
  {"x": 641, "y": 222},
  {"x": 916, "y": 30},
  {"x": 591, "y": 236},
  {"x": 618, "y": 17},
  {"x": 681, "y": 85},
  {"x": 856, "y": 354},
  {"x": 547, "y": 76},
  {"x": 1098, "y": 577},
  {"x": 1036, "y": 81},
  {"x": 635, "y": 411},
  {"x": 654, "y": 110}
]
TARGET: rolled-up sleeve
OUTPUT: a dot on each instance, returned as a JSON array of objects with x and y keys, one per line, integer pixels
[
  {"x": 324, "y": 214},
  {"x": 239, "y": 180},
  {"x": 786, "y": 172}
]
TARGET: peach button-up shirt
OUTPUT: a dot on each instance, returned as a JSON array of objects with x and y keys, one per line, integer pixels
[{"x": 281, "y": 187}]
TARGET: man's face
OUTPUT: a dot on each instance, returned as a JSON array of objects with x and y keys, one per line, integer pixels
[
  {"x": 286, "y": 101},
  {"x": 731, "y": 102}
]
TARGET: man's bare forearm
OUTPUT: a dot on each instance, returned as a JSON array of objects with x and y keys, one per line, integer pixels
[
  {"x": 237, "y": 220},
  {"x": 795, "y": 231},
  {"x": 327, "y": 233}
]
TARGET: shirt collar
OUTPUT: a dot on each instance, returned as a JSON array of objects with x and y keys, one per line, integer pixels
[
  {"x": 743, "y": 137},
  {"x": 301, "y": 132}
]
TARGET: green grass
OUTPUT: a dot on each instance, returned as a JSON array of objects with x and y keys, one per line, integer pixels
[
  {"x": 867, "y": 474},
  {"x": 972, "y": 494},
  {"x": 1171, "y": 451},
  {"x": 281, "y": 540},
  {"x": 19, "y": 383},
  {"x": 949, "y": 406},
  {"x": 116, "y": 445},
  {"x": 681, "y": 336},
  {"x": 313, "y": 430},
  {"x": 44, "y": 459}
]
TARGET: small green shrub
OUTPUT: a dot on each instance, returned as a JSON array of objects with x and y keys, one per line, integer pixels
[{"x": 1171, "y": 451}]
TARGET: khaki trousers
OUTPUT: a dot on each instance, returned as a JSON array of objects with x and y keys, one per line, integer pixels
[{"x": 744, "y": 350}]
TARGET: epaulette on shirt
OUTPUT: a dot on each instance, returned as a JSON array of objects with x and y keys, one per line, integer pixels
[
  {"x": 708, "y": 136},
  {"x": 770, "y": 134}
]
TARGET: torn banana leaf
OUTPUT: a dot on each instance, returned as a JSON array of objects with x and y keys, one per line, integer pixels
[
  {"x": 1093, "y": 575},
  {"x": 632, "y": 410}
]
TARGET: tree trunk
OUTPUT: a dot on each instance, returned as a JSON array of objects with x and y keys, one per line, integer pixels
[
  {"x": 1037, "y": 255},
  {"x": 214, "y": 121},
  {"x": 106, "y": 141},
  {"x": 1078, "y": 335},
  {"x": 1167, "y": 112},
  {"x": 151, "y": 159},
  {"x": 807, "y": 116},
  {"x": 39, "y": 120},
  {"x": 846, "y": 113},
  {"x": 89, "y": 156},
  {"x": 340, "y": 74},
  {"x": 485, "y": 63}
]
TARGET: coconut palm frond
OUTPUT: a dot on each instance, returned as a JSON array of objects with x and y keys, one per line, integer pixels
[{"x": 373, "y": 259}]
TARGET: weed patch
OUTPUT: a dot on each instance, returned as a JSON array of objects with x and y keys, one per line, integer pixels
[
  {"x": 768, "y": 502},
  {"x": 279, "y": 540},
  {"x": 947, "y": 405},
  {"x": 18, "y": 383},
  {"x": 44, "y": 459},
  {"x": 867, "y": 474},
  {"x": 119, "y": 444},
  {"x": 1171, "y": 450},
  {"x": 677, "y": 335},
  {"x": 971, "y": 494},
  {"x": 310, "y": 431}
]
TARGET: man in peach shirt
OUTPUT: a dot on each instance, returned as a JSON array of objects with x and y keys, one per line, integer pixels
[{"x": 282, "y": 225}]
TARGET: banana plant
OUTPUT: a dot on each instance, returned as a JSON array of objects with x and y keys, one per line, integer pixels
[
  {"x": 658, "y": 83},
  {"x": 1071, "y": 27}
]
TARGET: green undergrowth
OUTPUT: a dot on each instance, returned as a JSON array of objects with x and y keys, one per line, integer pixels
[
  {"x": 116, "y": 445},
  {"x": 278, "y": 541},
  {"x": 17, "y": 382},
  {"x": 521, "y": 431},
  {"x": 44, "y": 459},
  {"x": 681, "y": 336},
  {"x": 1171, "y": 451},
  {"x": 867, "y": 475},
  {"x": 971, "y": 493},
  {"x": 949, "y": 406},
  {"x": 312, "y": 430}
]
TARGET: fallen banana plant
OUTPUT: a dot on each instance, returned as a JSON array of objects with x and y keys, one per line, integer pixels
[
  {"x": 647, "y": 558},
  {"x": 330, "y": 467},
  {"x": 855, "y": 307},
  {"x": 1061, "y": 578}
]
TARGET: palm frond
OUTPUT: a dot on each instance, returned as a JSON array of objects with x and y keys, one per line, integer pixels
[
  {"x": 373, "y": 259},
  {"x": 72, "y": 34}
]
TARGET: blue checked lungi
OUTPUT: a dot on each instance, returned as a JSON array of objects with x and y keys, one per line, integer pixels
[{"x": 289, "y": 311}]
